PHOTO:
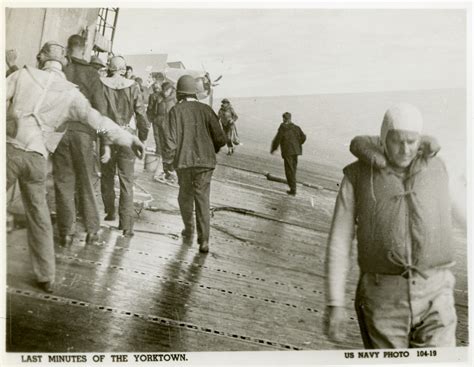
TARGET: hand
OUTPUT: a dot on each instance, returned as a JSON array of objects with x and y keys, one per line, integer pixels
[
  {"x": 335, "y": 323},
  {"x": 107, "y": 154},
  {"x": 11, "y": 56},
  {"x": 137, "y": 147}
]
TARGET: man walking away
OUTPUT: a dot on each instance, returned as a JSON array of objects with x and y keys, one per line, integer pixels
[
  {"x": 290, "y": 138},
  {"x": 193, "y": 136},
  {"x": 152, "y": 113},
  {"x": 122, "y": 101},
  {"x": 228, "y": 117},
  {"x": 37, "y": 102},
  {"x": 165, "y": 104},
  {"x": 73, "y": 160},
  {"x": 397, "y": 195}
]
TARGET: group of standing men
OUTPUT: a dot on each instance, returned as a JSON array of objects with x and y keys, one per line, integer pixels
[
  {"x": 119, "y": 99},
  {"x": 62, "y": 109},
  {"x": 39, "y": 102}
]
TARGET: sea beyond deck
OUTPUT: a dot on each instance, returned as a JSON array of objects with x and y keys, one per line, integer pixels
[{"x": 261, "y": 287}]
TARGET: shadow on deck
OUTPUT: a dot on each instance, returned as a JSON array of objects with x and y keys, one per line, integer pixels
[{"x": 261, "y": 287}]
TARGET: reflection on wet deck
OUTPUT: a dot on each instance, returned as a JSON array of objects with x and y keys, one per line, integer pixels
[{"x": 261, "y": 287}]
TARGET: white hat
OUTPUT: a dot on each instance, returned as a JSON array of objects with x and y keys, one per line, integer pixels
[{"x": 401, "y": 116}]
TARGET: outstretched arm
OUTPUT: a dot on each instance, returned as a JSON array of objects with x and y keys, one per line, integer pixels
[{"x": 81, "y": 110}]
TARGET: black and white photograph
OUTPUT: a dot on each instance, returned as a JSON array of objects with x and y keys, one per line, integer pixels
[{"x": 197, "y": 178}]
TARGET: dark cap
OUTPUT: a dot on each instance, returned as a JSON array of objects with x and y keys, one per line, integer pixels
[{"x": 225, "y": 100}]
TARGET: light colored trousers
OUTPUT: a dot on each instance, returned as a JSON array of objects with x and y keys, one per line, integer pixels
[
  {"x": 398, "y": 312},
  {"x": 30, "y": 169}
]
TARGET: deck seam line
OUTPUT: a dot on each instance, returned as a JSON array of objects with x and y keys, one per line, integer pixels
[{"x": 153, "y": 319}]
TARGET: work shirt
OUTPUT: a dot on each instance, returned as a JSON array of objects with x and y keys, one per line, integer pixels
[{"x": 61, "y": 101}]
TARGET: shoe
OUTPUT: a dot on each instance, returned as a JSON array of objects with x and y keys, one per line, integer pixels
[
  {"x": 204, "y": 247},
  {"x": 128, "y": 233},
  {"x": 47, "y": 287},
  {"x": 66, "y": 241},
  {"x": 187, "y": 237},
  {"x": 291, "y": 192},
  {"x": 91, "y": 238},
  {"x": 110, "y": 217}
]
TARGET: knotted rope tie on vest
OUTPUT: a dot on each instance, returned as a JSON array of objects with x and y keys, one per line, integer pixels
[
  {"x": 405, "y": 193},
  {"x": 397, "y": 259}
]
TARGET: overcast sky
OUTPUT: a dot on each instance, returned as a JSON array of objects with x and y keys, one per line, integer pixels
[{"x": 305, "y": 51}]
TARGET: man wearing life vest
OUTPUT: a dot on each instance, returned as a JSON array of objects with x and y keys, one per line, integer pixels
[{"x": 397, "y": 194}]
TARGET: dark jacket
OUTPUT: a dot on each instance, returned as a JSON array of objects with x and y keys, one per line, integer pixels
[
  {"x": 193, "y": 136},
  {"x": 87, "y": 79},
  {"x": 123, "y": 100},
  {"x": 290, "y": 138},
  {"x": 159, "y": 106}
]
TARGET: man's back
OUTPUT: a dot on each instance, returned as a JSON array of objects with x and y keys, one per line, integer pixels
[
  {"x": 86, "y": 78},
  {"x": 194, "y": 134},
  {"x": 25, "y": 92},
  {"x": 291, "y": 138}
]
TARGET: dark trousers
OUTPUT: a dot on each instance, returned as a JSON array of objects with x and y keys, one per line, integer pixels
[
  {"x": 122, "y": 160},
  {"x": 74, "y": 173},
  {"x": 291, "y": 163},
  {"x": 157, "y": 136},
  {"x": 29, "y": 168},
  {"x": 195, "y": 189}
]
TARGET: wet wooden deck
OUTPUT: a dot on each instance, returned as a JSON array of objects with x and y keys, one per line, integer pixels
[{"x": 261, "y": 287}]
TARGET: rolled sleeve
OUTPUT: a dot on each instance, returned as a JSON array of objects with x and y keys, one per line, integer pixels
[{"x": 339, "y": 247}]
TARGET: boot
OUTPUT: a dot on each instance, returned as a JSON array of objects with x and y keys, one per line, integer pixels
[
  {"x": 128, "y": 233},
  {"x": 47, "y": 287},
  {"x": 91, "y": 238},
  {"x": 204, "y": 247},
  {"x": 110, "y": 216},
  {"x": 66, "y": 241}
]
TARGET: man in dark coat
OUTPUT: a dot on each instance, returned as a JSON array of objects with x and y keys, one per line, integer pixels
[
  {"x": 159, "y": 106},
  {"x": 124, "y": 105},
  {"x": 73, "y": 160},
  {"x": 193, "y": 136},
  {"x": 291, "y": 138}
]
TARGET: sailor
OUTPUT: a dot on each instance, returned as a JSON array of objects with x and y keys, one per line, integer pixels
[
  {"x": 159, "y": 106},
  {"x": 124, "y": 105},
  {"x": 290, "y": 138},
  {"x": 228, "y": 117},
  {"x": 193, "y": 136},
  {"x": 39, "y": 101},
  {"x": 73, "y": 161},
  {"x": 397, "y": 193}
]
